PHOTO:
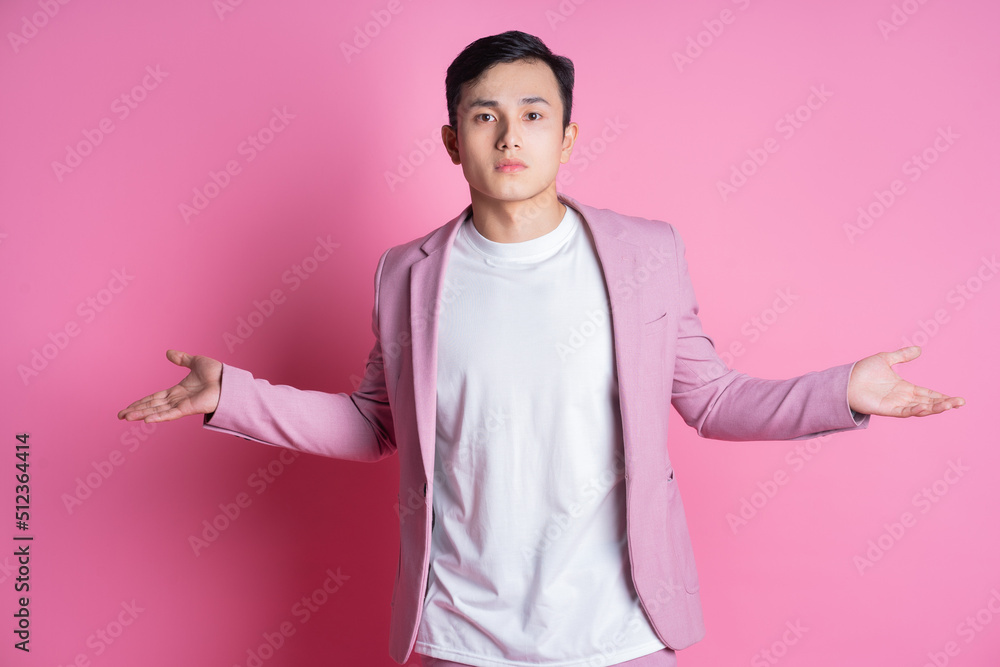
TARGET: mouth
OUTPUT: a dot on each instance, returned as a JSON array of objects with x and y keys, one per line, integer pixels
[{"x": 510, "y": 166}]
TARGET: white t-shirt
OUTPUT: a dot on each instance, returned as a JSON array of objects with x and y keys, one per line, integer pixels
[{"x": 529, "y": 561}]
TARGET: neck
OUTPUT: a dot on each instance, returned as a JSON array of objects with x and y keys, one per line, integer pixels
[{"x": 516, "y": 221}]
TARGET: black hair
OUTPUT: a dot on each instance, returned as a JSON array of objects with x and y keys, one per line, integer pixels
[{"x": 506, "y": 47}]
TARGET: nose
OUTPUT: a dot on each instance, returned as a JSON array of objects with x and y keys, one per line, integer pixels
[{"x": 510, "y": 137}]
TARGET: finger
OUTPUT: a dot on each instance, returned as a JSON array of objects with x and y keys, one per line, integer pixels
[
  {"x": 924, "y": 392},
  {"x": 158, "y": 396},
  {"x": 167, "y": 415},
  {"x": 179, "y": 358},
  {"x": 143, "y": 402},
  {"x": 155, "y": 403},
  {"x": 138, "y": 413},
  {"x": 917, "y": 410},
  {"x": 904, "y": 354},
  {"x": 145, "y": 412},
  {"x": 922, "y": 409}
]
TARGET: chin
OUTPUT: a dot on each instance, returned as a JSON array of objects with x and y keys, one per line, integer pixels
[{"x": 514, "y": 191}]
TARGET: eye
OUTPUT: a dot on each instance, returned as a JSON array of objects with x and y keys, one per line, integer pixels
[
  {"x": 536, "y": 114},
  {"x": 484, "y": 114}
]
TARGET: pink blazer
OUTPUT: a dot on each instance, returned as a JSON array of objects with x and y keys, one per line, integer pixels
[{"x": 663, "y": 357}]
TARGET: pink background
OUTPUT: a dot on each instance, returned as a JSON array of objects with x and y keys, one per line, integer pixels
[{"x": 671, "y": 134}]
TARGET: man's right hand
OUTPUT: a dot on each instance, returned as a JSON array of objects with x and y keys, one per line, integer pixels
[{"x": 197, "y": 394}]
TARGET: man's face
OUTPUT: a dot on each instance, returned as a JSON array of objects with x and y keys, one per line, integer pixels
[{"x": 512, "y": 114}]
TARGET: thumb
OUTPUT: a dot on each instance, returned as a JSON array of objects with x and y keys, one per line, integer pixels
[
  {"x": 904, "y": 354},
  {"x": 179, "y": 358}
]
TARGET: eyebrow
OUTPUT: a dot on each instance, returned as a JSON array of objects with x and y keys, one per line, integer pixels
[{"x": 493, "y": 104}]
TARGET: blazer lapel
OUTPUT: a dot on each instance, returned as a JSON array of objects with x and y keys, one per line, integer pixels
[
  {"x": 619, "y": 259},
  {"x": 426, "y": 280}
]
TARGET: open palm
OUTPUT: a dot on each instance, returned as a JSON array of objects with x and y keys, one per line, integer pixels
[
  {"x": 198, "y": 393},
  {"x": 876, "y": 389}
]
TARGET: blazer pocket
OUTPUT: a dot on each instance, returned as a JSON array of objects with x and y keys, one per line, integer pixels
[
  {"x": 399, "y": 568},
  {"x": 656, "y": 324},
  {"x": 680, "y": 537}
]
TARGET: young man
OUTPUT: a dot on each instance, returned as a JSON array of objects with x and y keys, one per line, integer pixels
[{"x": 526, "y": 354}]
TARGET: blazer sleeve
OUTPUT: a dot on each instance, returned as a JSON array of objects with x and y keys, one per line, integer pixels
[
  {"x": 725, "y": 404},
  {"x": 355, "y": 426}
]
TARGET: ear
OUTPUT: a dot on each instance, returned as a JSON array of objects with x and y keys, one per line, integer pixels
[
  {"x": 569, "y": 138},
  {"x": 450, "y": 139}
]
